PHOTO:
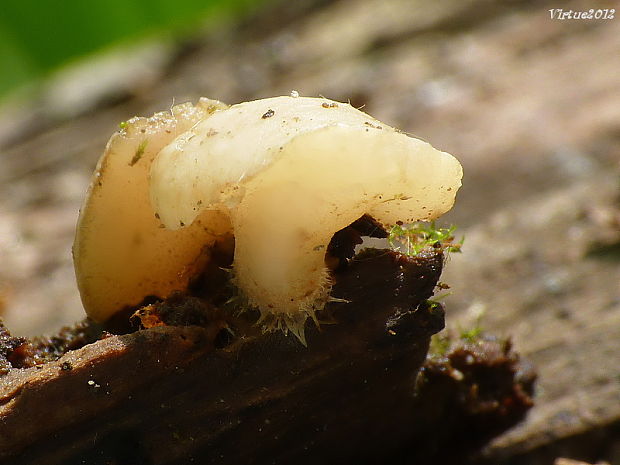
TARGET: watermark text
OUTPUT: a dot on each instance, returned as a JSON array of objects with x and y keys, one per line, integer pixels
[{"x": 601, "y": 13}]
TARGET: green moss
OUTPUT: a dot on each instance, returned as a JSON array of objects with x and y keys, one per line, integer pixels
[
  {"x": 414, "y": 238},
  {"x": 139, "y": 152},
  {"x": 472, "y": 334},
  {"x": 442, "y": 343},
  {"x": 439, "y": 346}
]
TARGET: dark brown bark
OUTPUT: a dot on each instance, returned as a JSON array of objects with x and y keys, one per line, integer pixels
[{"x": 169, "y": 395}]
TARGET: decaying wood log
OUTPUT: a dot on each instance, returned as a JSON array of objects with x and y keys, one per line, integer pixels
[{"x": 227, "y": 393}]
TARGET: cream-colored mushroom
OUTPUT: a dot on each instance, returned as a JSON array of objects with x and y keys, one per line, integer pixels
[
  {"x": 289, "y": 172},
  {"x": 281, "y": 174},
  {"x": 121, "y": 253}
]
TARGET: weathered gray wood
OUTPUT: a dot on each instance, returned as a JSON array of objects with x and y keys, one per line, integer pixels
[
  {"x": 530, "y": 106},
  {"x": 547, "y": 273}
]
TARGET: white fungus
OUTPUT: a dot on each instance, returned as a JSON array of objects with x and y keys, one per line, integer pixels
[
  {"x": 121, "y": 253},
  {"x": 281, "y": 174}
]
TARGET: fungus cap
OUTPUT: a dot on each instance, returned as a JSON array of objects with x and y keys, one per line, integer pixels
[
  {"x": 121, "y": 253},
  {"x": 281, "y": 174},
  {"x": 290, "y": 172}
]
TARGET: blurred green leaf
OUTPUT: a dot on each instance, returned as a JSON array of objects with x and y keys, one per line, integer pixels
[{"x": 38, "y": 36}]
